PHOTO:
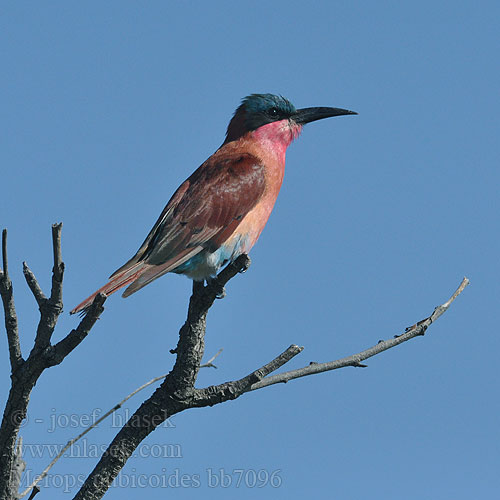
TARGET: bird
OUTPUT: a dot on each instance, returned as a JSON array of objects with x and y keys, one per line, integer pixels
[{"x": 219, "y": 212}]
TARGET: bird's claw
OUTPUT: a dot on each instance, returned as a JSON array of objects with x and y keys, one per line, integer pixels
[
  {"x": 220, "y": 291},
  {"x": 244, "y": 266}
]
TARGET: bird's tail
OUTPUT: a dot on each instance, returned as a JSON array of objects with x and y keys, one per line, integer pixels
[{"x": 117, "y": 281}]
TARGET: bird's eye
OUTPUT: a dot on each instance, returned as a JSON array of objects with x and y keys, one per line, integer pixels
[{"x": 273, "y": 112}]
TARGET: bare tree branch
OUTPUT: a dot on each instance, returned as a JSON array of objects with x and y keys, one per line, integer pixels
[
  {"x": 25, "y": 373},
  {"x": 444, "y": 307},
  {"x": 174, "y": 394},
  {"x": 58, "y": 269},
  {"x": 59, "y": 351},
  {"x": 355, "y": 360},
  {"x": 231, "y": 390},
  {"x": 57, "y": 274},
  {"x": 5, "y": 260},
  {"x": 33, "y": 285},
  {"x": 204, "y": 395},
  {"x": 177, "y": 392},
  {"x": 51, "y": 308},
  {"x": 11, "y": 327},
  {"x": 243, "y": 383}
]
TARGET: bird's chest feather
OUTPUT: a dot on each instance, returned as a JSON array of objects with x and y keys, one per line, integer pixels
[
  {"x": 269, "y": 144},
  {"x": 207, "y": 263}
]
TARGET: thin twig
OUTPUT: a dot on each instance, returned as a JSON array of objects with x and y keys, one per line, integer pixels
[
  {"x": 209, "y": 363},
  {"x": 355, "y": 360},
  {"x": 443, "y": 308},
  {"x": 88, "y": 429}
]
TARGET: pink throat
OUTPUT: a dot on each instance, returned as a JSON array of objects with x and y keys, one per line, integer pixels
[{"x": 277, "y": 136}]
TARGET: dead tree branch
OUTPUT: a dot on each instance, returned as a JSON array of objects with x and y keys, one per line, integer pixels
[
  {"x": 26, "y": 372},
  {"x": 411, "y": 332},
  {"x": 9, "y": 308},
  {"x": 71, "y": 442},
  {"x": 177, "y": 392}
]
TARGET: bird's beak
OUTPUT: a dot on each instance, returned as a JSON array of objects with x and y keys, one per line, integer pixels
[{"x": 308, "y": 115}]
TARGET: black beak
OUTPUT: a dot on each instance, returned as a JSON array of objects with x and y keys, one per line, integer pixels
[{"x": 308, "y": 115}]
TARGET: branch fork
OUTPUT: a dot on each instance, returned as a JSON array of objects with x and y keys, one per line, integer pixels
[{"x": 26, "y": 371}]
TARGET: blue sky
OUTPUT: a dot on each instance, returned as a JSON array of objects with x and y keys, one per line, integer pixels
[{"x": 108, "y": 106}]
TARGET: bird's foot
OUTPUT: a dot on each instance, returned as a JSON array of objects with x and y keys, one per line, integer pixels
[
  {"x": 242, "y": 263},
  {"x": 220, "y": 291}
]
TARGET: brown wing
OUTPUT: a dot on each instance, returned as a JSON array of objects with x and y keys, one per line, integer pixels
[{"x": 205, "y": 210}]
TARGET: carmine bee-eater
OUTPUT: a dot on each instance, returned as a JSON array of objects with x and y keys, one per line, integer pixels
[{"x": 219, "y": 212}]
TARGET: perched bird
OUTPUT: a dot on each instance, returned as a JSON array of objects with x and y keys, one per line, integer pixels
[{"x": 219, "y": 212}]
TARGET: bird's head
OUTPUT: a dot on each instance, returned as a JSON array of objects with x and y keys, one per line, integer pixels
[{"x": 259, "y": 110}]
